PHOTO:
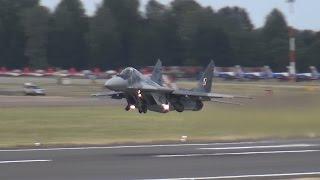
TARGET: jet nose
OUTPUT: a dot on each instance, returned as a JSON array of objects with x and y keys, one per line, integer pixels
[{"x": 116, "y": 84}]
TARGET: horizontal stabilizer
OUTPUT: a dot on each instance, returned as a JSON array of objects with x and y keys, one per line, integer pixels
[{"x": 107, "y": 94}]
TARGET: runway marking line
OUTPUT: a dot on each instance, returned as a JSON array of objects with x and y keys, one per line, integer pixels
[
  {"x": 245, "y": 176},
  {"x": 134, "y": 146},
  {"x": 235, "y": 153},
  {"x": 23, "y": 161},
  {"x": 260, "y": 147}
]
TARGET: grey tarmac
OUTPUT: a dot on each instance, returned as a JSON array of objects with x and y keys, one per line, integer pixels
[
  {"x": 270, "y": 159},
  {"x": 53, "y": 101}
]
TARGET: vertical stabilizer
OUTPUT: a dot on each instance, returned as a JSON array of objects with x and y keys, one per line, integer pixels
[
  {"x": 314, "y": 72},
  {"x": 205, "y": 83},
  {"x": 268, "y": 72},
  {"x": 239, "y": 74},
  {"x": 157, "y": 73}
]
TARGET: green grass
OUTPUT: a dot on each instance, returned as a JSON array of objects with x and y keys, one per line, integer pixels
[
  {"x": 103, "y": 125},
  {"x": 293, "y": 111}
]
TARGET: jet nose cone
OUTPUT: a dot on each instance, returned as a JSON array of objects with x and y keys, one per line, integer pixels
[{"x": 116, "y": 84}]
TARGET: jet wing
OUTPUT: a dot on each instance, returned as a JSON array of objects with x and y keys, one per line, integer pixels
[
  {"x": 108, "y": 94},
  {"x": 150, "y": 88},
  {"x": 208, "y": 95}
]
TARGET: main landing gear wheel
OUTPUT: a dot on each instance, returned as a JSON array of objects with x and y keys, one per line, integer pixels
[
  {"x": 179, "y": 107},
  {"x": 144, "y": 108}
]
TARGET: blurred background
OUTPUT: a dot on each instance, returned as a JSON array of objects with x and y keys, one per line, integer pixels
[{"x": 111, "y": 34}]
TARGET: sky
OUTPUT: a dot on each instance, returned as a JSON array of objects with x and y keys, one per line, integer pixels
[{"x": 306, "y": 14}]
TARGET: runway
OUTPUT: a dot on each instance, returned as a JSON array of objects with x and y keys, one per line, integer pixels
[
  {"x": 231, "y": 160},
  {"x": 54, "y": 101}
]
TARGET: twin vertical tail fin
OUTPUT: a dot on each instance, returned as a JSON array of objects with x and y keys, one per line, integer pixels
[
  {"x": 314, "y": 72},
  {"x": 239, "y": 72},
  {"x": 157, "y": 73},
  {"x": 205, "y": 83},
  {"x": 268, "y": 72}
]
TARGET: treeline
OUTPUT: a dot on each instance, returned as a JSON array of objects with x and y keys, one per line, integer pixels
[{"x": 182, "y": 33}]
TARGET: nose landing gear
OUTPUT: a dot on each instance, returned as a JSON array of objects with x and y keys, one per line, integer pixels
[
  {"x": 140, "y": 105},
  {"x": 179, "y": 107}
]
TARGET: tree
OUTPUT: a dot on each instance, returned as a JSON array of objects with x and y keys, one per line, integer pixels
[
  {"x": 127, "y": 20},
  {"x": 304, "y": 41},
  {"x": 275, "y": 26},
  {"x": 2, "y": 45},
  {"x": 308, "y": 51},
  {"x": 13, "y": 39},
  {"x": 313, "y": 54},
  {"x": 153, "y": 34},
  {"x": 155, "y": 10},
  {"x": 235, "y": 19},
  {"x": 103, "y": 40},
  {"x": 275, "y": 37},
  {"x": 36, "y": 27},
  {"x": 211, "y": 44},
  {"x": 199, "y": 37},
  {"x": 181, "y": 22},
  {"x": 182, "y": 33},
  {"x": 203, "y": 40},
  {"x": 180, "y": 7},
  {"x": 67, "y": 41}
]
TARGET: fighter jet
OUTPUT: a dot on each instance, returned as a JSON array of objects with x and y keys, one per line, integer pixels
[
  {"x": 266, "y": 73},
  {"x": 235, "y": 74},
  {"x": 149, "y": 93},
  {"x": 282, "y": 76},
  {"x": 313, "y": 75}
]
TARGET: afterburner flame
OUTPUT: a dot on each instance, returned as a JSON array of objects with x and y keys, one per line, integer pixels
[
  {"x": 166, "y": 107},
  {"x": 132, "y": 107},
  {"x": 139, "y": 94}
]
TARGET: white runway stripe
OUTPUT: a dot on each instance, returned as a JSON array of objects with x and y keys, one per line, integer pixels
[
  {"x": 246, "y": 176},
  {"x": 259, "y": 147},
  {"x": 236, "y": 153},
  {"x": 23, "y": 161}
]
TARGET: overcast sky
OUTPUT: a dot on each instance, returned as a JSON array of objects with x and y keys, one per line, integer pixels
[{"x": 306, "y": 12}]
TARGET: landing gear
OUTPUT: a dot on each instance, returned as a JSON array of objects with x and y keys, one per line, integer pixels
[
  {"x": 143, "y": 108},
  {"x": 199, "y": 106},
  {"x": 179, "y": 107},
  {"x": 137, "y": 102}
]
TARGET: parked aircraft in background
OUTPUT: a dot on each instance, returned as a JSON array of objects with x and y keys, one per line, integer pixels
[
  {"x": 235, "y": 73},
  {"x": 266, "y": 73},
  {"x": 148, "y": 93},
  {"x": 284, "y": 76},
  {"x": 313, "y": 75},
  {"x": 173, "y": 72}
]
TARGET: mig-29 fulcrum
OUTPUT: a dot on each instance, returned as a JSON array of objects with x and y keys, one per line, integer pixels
[{"x": 149, "y": 93}]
